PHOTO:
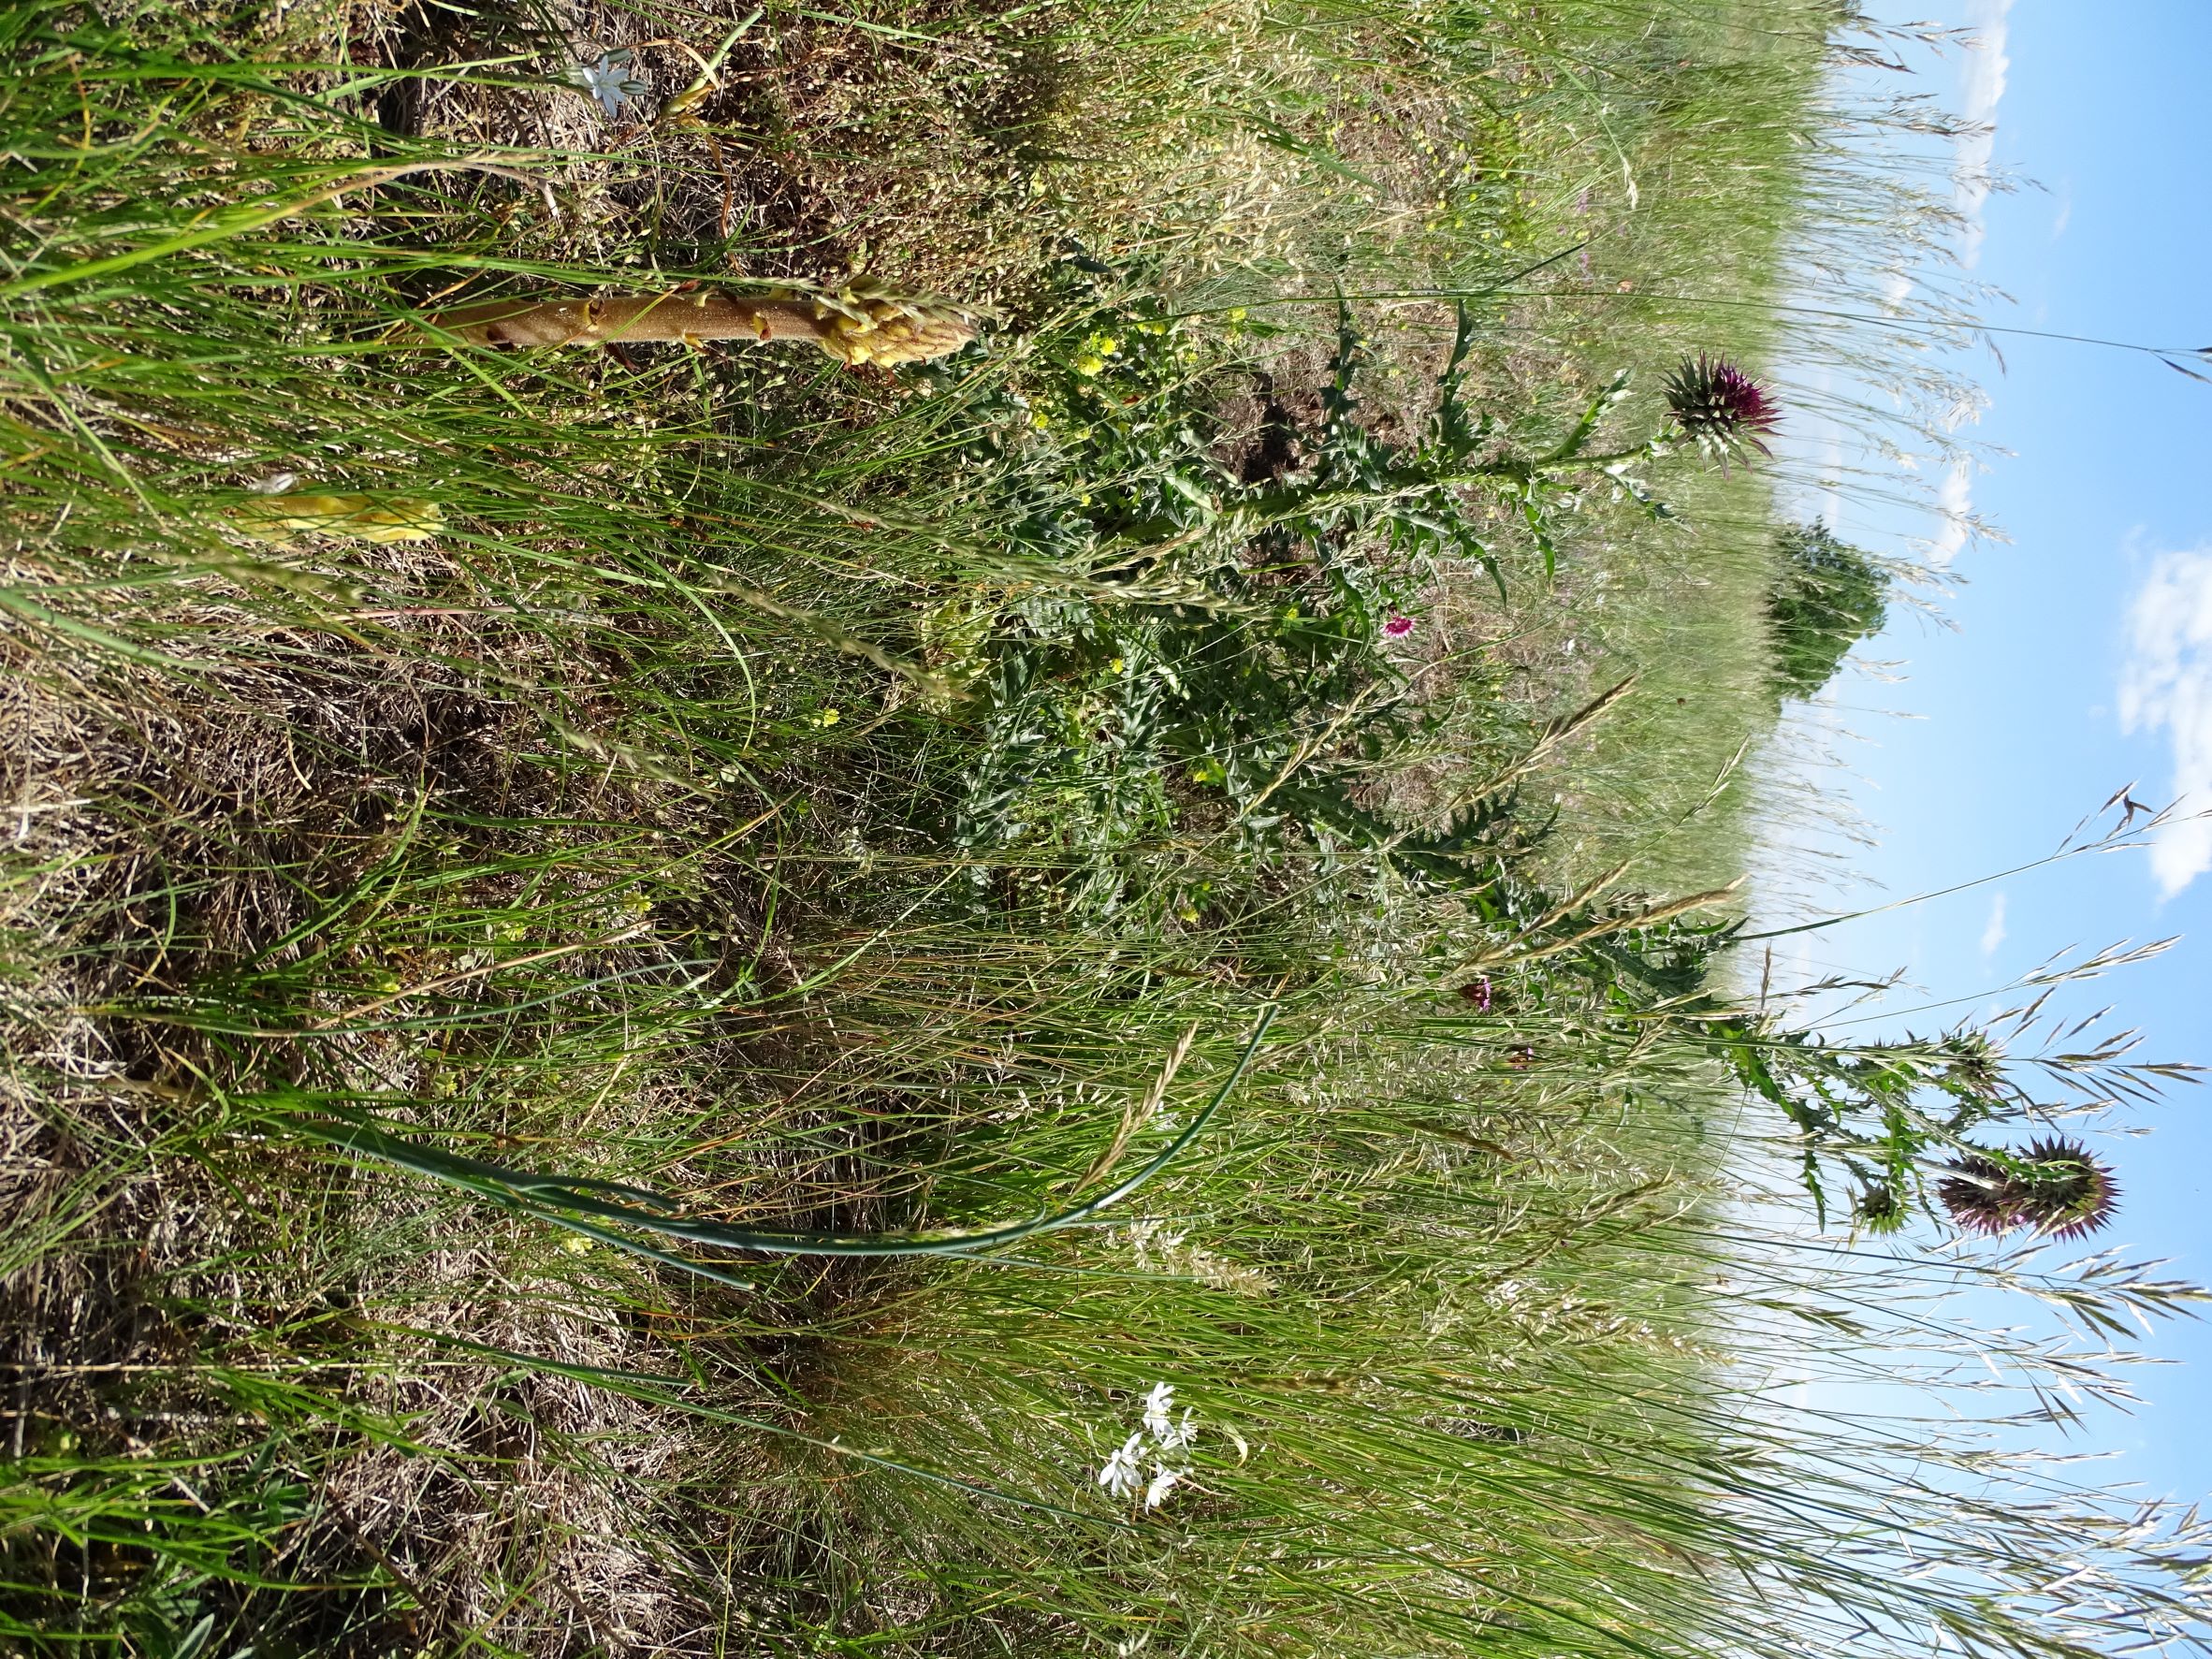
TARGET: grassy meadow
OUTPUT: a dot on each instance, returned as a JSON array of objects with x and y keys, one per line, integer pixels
[{"x": 1075, "y": 999}]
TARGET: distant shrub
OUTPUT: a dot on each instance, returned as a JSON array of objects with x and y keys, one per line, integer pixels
[{"x": 1826, "y": 596}]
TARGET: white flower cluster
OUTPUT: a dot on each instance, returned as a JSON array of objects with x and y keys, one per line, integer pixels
[{"x": 1168, "y": 1436}]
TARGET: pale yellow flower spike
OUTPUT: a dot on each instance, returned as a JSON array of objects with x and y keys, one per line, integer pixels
[
  {"x": 391, "y": 519},
  {"x": 862, "y": 323}
]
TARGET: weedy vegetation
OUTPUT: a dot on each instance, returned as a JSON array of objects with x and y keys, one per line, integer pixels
[{"x": 1061, "y": 983}]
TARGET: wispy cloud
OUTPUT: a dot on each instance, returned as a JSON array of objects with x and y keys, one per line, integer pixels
[
  {"x": 1993, "y": 930},
  {"x": 1955, "y": 500},
  {"x": 1981, "y": 89},
  {"x": 2167, "y": 686}
]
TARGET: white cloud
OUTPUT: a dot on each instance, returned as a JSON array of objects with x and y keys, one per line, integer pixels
[
  {"x": 1993, "y": 931},
  {"x": 1981, "y": 88},
  {"x": 2167, "y": 685},
  {"x": 1955, "y": 500}
]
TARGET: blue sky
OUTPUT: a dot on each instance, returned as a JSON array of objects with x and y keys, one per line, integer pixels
[{"x": 2080, "y": 655}]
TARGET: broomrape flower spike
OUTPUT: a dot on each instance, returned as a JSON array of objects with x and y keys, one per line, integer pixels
[
  {"x": 368, "y": 519},
  {"x": 863, "y": 322}
]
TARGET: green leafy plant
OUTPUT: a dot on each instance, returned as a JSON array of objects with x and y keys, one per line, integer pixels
[
  {"x": 1223, "y": 639},
  {"x": 1905, "y": 1123},
  {"x": 1826, "y": 597}
]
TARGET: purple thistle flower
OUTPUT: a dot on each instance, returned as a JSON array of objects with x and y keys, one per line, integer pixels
[
  {"x": 2058, "y": 1186},
  {"x": 1397, "y": 627},
  {"x": 1719, "y": 408}
]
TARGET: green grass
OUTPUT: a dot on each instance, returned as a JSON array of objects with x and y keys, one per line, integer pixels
[{"x": 840, "y": 804}]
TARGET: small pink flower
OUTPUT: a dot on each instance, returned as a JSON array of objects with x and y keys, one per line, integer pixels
[
  {"x": 1397, "y": 627},
  {"x": 1477, "y": 992}
]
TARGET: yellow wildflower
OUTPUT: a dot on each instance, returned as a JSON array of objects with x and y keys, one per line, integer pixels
[{"x": 387, "y": 518}]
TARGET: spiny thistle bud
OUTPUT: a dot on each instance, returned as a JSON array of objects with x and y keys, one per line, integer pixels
[
  {"x": 2056, "y": 1187},
  {"x": 1719, "y": 408},
  {"x": 1881, "y": 1210},
  {"x": 1972, "y": 1065}
]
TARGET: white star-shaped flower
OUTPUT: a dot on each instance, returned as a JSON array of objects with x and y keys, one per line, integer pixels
[
  {"x": 1122, "y": 1474},
  {"x": 609, "y": 81},
  {"x": 1159, "y": 1406}
]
